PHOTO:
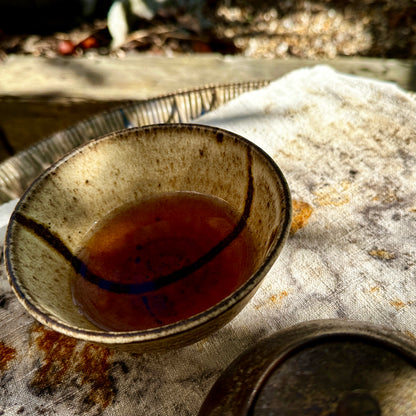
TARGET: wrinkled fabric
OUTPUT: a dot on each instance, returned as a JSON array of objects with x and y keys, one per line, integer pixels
[{"x": 347, "y": 146}]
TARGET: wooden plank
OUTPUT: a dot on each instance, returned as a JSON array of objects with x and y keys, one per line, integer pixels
[
  {"x": 25, "y": 121},
  {"x": 141, "y": 76},
  {"x": 39, "y": 96}
]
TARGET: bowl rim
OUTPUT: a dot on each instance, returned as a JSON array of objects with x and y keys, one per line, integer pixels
[{"x": 176, "y": 328}]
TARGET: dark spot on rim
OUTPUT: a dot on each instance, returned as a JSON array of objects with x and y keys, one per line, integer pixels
[
  {"x": 87, "y": 181},
  {"x": 220, "y": 137},
  {"x": 201, "y": 152}
]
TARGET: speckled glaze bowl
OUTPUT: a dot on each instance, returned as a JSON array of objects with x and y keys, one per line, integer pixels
[{"x": 59, "y": 208}]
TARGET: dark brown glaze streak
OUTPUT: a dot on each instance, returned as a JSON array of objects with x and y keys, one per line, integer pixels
[
  {"x": 54, "y": 241},
  {"x": 140, "y": 288}
]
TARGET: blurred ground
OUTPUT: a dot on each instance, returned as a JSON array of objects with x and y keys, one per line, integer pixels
[{"x": 260, "y": 29}]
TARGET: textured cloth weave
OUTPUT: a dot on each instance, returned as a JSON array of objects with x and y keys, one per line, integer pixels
[{"x": 347, "y": 146}]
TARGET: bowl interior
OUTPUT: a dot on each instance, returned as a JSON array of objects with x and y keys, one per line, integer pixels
[{"x": 61, "y": 206}]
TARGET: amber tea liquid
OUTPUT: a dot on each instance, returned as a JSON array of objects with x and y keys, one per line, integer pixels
[{"x": 163, "y": 260}]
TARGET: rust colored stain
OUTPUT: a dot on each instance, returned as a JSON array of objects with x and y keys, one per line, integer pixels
[
  {"x": 374, "y": 289},
  {"x": 410, "y": 334},
  {"x": 398, "y": 304},
  {"x": 6, "y": 354},
  {"x": 63, "y": 359},
  {"x": 333, "y": 195},
  {"x": 279, "y": 297},
  {"x": 58, "y": 355},
  {"x": 382, "y": 254},
  {"x": 93, "y": 365},
  {"x": 274, "y": 299},
  {"x": 387, "y": 197},
  {"x": 283, "y": 294},
  {"x": 301, "y": 213}
]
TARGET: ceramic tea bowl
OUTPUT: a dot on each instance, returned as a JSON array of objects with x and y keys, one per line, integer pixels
[{"x": 50, "y": 222}]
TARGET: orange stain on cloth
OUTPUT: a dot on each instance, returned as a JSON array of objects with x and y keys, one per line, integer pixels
[
  {"x": 410, "y": 334},
  {"x": 58, "y": 351},
  {"x": 7, "y": 354},
  {"x": 64, "y": 358},
  {"x": 333, "y": 195},
  {"x": 275, "y": 299},
  {"x": 94, "y": 368},
  {"x": 300, "y": 216},
  {"x": 398, "y": 304},
  {"x": 382, "y": 254}
]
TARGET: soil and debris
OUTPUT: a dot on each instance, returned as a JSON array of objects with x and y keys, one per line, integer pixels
[{"x": 261, "y": 29}]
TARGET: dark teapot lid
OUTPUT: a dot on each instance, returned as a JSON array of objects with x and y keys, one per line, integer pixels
[{"x": 317, "y": 368}]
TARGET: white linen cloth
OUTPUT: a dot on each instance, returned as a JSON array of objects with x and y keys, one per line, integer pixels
[{"x": 347, "y": 146}]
